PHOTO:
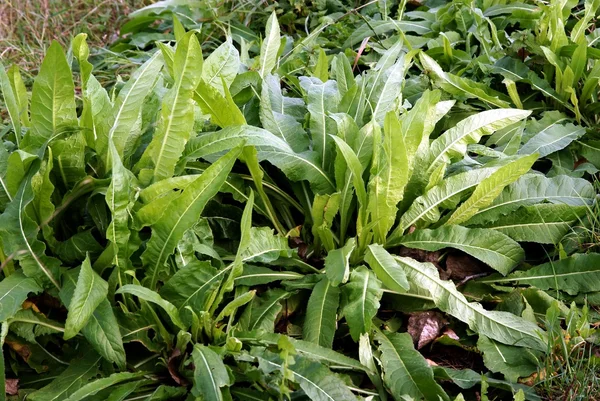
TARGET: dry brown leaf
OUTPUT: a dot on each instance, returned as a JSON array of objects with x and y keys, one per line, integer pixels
[{"x": 424, "y": 327}]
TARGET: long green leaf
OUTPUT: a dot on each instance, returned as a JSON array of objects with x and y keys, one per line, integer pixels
[
  {"x": 177, "y": 114},
  {"x": 210, "y": 374},
  {"x": 491, "y": 247},
  {"x": 151, "y": 296},
  {"x": 500, "y": 326},
  {"x": 185, "y": 212},
  {"x": 405, "y": 370},
  {"x": 553, "y": 139},
  {"x": 361, "y": 297},
  {"x": 98, "y": 385},
  {"x": 10, "y": 100},
  {"x": 102, "y": 330},
  {"x": 389, "y": 177},
  {"x": 320, "y": 321},
  {"x": 322, "y": 99},
  {"x": 79, "y": 372},
  {"x": 575, "y": 274},
  {"x": 223, "y": 64},
  {"x": 18, "y": 233},
  {"x": 52, "y": 100},
  {"x": 317, "y": 382},
  {"x": 386, "y": 269},
  {"x": 274, "y": 118},
  {"x": 536, "y": 188},
  {"x": 460, "y": 86},
  {"x": 491, "y": 187},
  {"x": 307, "y": 349},
  {"x": 270, "y": 46},
  {"x": 452, "y": 144},
  {"x": 129, "y": 104},
  {"x": 544, "y": 223}
]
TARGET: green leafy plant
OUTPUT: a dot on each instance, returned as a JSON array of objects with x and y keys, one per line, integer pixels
[{"x": 272, "y": 222}]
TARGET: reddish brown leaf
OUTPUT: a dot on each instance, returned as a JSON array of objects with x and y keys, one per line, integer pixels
[
  {"x": 12, "y": 386},
  {"x": 172, "y": 365}
]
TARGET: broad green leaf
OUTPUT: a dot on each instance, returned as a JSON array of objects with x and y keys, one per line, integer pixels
[
  {"x": 296, "y": 166},
  {"x": 185, "y": 212},
  {"x": 79, "y": 372},
  {"x": 320, "y": 321},
  {"x": 491, "y": 247},
  {"x": 191, "y": 287},
  {"x": 261, "y": 313},
  {"x": 575, "y": 274},
  {"x": 553, "y": 139},
  {"x": 12, "y": 105},
  {"x": 264, "y": 246},
  {"x": 128, "y": 105},
  {"x": 500, "y": 326},
  {"x": 269, "y": 49},
  {"x": 512, "y": 362},
  {"x": 52, "y": 100},
  {"x": 29, "y": 325},
  {"x": 177, "y": 114},
  {"x": 386, "y": 269},
  {"x": 360, "y": 300},
  {"x": 89, "y": 292},
  {"x": 151, "y": 296},
  {"x": 102, "y": 330},
  {"x": 210, "y": 374},
  {"x": 337, "y": 263},
  {"x": 223, "y": 64},
  {"x": 452, "y": 144},
  {"x": 491, "y": 187},
  {"x": 322, "y": 99},
  {"x": 221, "y": 107},
  {"x": 98, "y": 385},
  {"x": 405, "y": 370},
  {"x": 535, "y": 188},
  {"x": 14, "y": 289},
  {"x": 312, "y": 351},
  {"x": 273, "y": 116},
  {"x": 461, "y": 86},
  {"x": 543, "y": 223}
]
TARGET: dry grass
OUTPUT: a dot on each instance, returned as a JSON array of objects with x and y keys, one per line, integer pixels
[{"x": 27, "y": 27}]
